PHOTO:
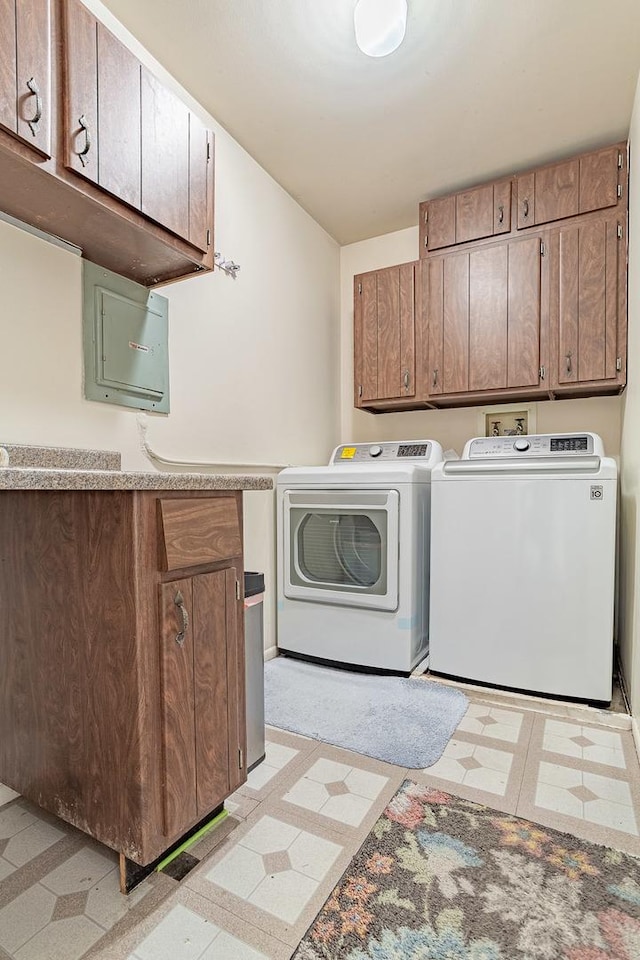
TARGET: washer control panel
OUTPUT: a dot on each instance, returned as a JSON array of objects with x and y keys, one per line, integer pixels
[
  {"x": 540, "y": 445},
  {"x": 371, "y": 452}
]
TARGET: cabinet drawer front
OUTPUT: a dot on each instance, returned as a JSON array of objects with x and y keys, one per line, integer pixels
[{"x": 198, "y": 531}]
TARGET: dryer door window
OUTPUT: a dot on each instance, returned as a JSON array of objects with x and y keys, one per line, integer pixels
[{"x": 342, "y": 547}]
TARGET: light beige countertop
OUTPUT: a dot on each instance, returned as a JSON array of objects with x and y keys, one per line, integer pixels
[
  {"x": 37, "y": 478},
  {"x": 66, "y": 468}
]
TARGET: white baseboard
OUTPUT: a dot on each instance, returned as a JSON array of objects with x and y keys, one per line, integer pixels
[{"x": 271, "y": 653}]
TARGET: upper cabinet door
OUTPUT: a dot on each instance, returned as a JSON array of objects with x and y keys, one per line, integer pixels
[
  {"x": 586, "y": 296},
  {"x": 600, "y": 179},
  {"x": 384, "y": 334},
  {"x": 484, "y": 309},
  {"x": 200, "y": 184},
  {"x": 484, "y": 211},
  {"x": 25, "y": 71},
  {"x": 474, "y": 214},
  {"x": 165, "y": 156},
  {"x": 81, "y": 90},
  {"x": 118, "y": 119},
  {"x": 590, "y": 182}
]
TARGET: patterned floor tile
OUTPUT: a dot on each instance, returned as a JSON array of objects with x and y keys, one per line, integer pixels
[
  {"x": 276, "y": 758},
  {"x": 484, "y": 768},
  {"x": 275, "y": 866},
  {"x": 274, "y": 871},
  {"x": 31, "y": 842},
  {"x": 492, "y": 722},
  {"x": 588, "y": 743},
  {"x": 7, "y": 794},
  {"x": 337, "y": 790},
  {"x": 586, "y": 796},
  {"x": 283, "y": 752},
  {"x": 187, "y": 926}
]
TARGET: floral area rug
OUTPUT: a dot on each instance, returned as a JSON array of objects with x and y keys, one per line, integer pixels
[{"x": 439, "y": 878}]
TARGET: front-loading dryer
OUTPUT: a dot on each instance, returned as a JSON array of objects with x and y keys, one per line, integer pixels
[{"x": 353, "y": 555}]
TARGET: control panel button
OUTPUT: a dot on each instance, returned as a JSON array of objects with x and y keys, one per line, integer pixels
[
  {"x": 375, "y": 451},
  {"x": 521, "y": 445}
]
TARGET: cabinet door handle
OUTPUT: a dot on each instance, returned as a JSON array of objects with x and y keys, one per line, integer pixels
[
  {"x": 82, "y": 121},
  {"x": 406, "y": 379},
  {"x": 525, "y": 204},
  {"x": 435, "y": 378},
  {"x": 501, "y": 213},
  {"x": 568, "y": 362},
  {"x": 179, "y": 602},
  {"x": 33, "y": 88}
]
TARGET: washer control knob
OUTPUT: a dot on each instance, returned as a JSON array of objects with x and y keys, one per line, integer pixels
[
  {"x": 375, "y": 451},
  {"x": 521, "y": 445}
]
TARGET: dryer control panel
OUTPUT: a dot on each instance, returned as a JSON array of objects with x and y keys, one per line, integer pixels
[
  {"x": 538, "y": 445},
  {"x": 397, "y": 450}
]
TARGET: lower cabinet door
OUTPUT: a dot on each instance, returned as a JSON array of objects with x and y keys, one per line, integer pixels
[
  {"x": 199, "y": 654},
  {"x": 210, "y": 687}
]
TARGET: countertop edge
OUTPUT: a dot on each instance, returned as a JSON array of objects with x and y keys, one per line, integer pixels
[{"x": 37, "y": 478}]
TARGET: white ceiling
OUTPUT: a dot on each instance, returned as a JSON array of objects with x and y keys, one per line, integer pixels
[{"x": 479, "y": 88}]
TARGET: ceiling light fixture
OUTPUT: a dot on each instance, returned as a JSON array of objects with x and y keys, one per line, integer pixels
[{"x": 380, "y": 25}]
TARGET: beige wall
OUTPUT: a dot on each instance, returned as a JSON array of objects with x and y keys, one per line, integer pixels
[
  {"x": 629, "y": 623},
  {"x": 254, "y": 362},
  {"x": 450, "y": 427}
]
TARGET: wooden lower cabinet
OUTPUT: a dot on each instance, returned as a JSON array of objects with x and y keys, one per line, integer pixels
[{"x": 121, "y": 683}]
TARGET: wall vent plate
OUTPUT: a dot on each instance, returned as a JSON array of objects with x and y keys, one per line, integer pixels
[{"x": 126, "y": 341}]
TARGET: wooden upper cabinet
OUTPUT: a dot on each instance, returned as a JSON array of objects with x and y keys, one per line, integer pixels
[
  {"x": 81, "y": 90},
  {"x": 102, "y": 106},
  {"x": 130, "y": 135},
  {"x": 201, "y": 145},
  {"x": 484, "y": 314},
  {"x": 588, "y": 300},
  {"x": 484, "y": 211},
  {"x": 165, "y": 156},
  {"x": 580, "y": 185},
  {"x": 118, "y": 119},
  {"x": 25, "y": 71},
  {"x": 384, "y": 334}
]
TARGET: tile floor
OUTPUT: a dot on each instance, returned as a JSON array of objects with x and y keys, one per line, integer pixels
[{"x": 261, "y": 877}]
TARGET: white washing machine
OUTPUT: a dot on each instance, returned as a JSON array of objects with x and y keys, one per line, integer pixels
[
  {"x": 353, "y": 555},
  {"x": 523, "y": 565}
]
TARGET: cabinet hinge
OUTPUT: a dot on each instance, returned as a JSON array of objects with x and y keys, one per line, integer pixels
[
  {"x": 543, "y": 249},
  {"x": 426, "y": 240},
  {"x": 619, "y": 161},
  {"x": 619, "y": 189},
  {"x": 208, "y": 150},
  {"x": 426, "y": 214},
  {"x": 237, "y": 589},
  {"x": 619, "y": 231},
  {"x": 360, "y": 288},
  {"x": 542, "y": 373},
  {"x": 240, "y": 759},
  {"x": 359, "y": 389},
  {"x": 618, "y": 364}
]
